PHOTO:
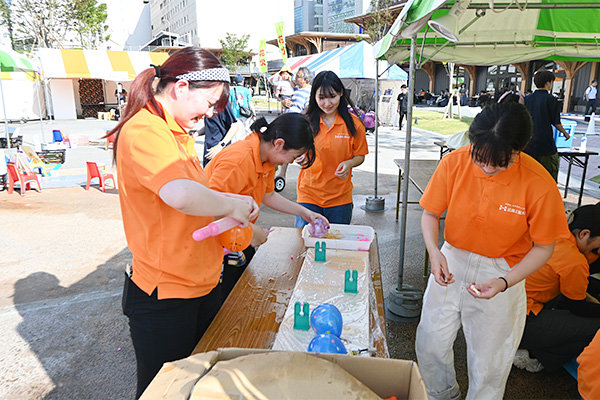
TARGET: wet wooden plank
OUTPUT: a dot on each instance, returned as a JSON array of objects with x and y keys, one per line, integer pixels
[{"x": 251, "y": 315}]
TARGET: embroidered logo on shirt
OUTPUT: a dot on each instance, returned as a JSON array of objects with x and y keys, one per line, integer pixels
[
  {"x": 341, "y": 136},
  {"x": 511, "y": 208}
]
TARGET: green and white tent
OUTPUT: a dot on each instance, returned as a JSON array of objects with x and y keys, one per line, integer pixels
[
  {"x": 11, "y": 61},
  {"x": 498, "y": 32}
]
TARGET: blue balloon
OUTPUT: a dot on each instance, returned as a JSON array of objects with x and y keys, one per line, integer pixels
[
  {"x": 326, "y": 318},
  {"x": 327, "y": 343}
]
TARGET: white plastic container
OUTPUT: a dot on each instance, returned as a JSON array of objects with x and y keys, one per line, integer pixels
[{"x": 343, "y": 237}]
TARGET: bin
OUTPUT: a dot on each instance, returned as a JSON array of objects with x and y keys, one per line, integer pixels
[{"x": 559, "y": 138}]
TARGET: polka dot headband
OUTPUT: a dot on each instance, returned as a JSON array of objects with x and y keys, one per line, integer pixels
[{"x": 211, "y": 74}]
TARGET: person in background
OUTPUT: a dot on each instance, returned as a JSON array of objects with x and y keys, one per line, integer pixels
[
  {"x": 240, "y": 96},
  {"x": 402, "y": 105},
  {"x": 560, "y": 321},
  {"x": 247, "y": 167},
  {"x": 503, "y": 215},
  {"x": 284, "y": 88},
  {"x": 545, "y": 111},
  {"x": 341, "y": 144},
  {"x": 297, "y": 103},
  {"x": 464, "y": 94},
  {"x": 215, "y": 130},
  {"x": 590, "y": 97},
  {"x": 171, "y": 293},
  {"x": 588, "y": 373}
]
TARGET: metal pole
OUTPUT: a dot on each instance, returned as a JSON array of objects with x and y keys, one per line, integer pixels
[
  {"x": 376, "y": 118},
  {"x": 375, "y": 203},
  {"x": 5, "y": 117},
  {"x": 407, "y": 144},
  {"x": 405, "y": 301}
]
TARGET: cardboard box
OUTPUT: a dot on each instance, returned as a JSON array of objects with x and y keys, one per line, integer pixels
[{"x": 386, "y": 377}]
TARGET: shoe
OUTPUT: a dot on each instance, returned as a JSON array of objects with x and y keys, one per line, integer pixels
[
  {"x": 236, "y": 259},
  {"x": 522, "y": 360}
]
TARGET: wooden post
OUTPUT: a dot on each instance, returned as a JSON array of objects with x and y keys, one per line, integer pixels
[
  {"x": 571, "y": 68},
  {"x": 472, "y": 71},
  {"x": 429, "y": 68}
]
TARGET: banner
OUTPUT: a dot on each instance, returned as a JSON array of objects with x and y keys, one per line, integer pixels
[
  {"x": 262, "y": 58},
  {"x": 281, "y": 40}
]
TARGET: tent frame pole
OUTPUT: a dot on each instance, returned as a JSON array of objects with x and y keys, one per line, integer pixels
[
  {"x": 5, "y": 117},
  {"x": 404, "y": 301},
  {"x": 375, "y": 203}
]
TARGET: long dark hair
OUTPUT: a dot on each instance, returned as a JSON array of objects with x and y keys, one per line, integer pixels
[
  {"x": 497, "y": 131},
  {"x": 141, "y": 93},
  {"x": 330, "y": 85},
  {"x": 294, "y": 128}
]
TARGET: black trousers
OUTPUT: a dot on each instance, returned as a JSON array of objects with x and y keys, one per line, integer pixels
[
  {"x": 555, "y": 336},
  {"x": 590, "y": 106},
  {"x": 232, "y": 273},
  {"x": 164, "y": 330},
  {"x": 402, "y": 116}
]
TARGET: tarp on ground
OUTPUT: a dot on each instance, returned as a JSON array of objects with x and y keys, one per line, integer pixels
[
  {"x": 567, "y": 30},
  {"x": 354, "y": 61},
  {"x": 97, "y": 64}
]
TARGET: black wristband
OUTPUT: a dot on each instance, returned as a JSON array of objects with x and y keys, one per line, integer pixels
[{"x": 505, "y": 282}]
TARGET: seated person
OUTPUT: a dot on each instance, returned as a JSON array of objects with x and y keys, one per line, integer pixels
[
  {"x": 483, "y": 99},
  {"x": 588, "y": 373},
  {"x": 560, "y": 321}
]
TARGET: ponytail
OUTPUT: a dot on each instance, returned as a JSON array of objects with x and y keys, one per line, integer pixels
[{"x": 141, "y": 93}]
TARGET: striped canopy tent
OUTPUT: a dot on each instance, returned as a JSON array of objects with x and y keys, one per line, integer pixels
[
  {"x": 354, "y": 61},
  {"x": 11, "y": 62},
  {"x": 97, "y": 64},
  {"x": 565, "y": 30}
]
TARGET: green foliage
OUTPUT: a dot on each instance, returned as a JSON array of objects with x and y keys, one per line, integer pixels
[
  {"x": 87, "y": 18},
  {"x": 379, "y": 20},
  {"x": 234, "y": 50},
  {"x": 54, "y": 23},
  {"x": 433, "y": 121}
]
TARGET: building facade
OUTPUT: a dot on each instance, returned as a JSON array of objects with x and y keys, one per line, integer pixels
[{"x": 308, "y": 16}]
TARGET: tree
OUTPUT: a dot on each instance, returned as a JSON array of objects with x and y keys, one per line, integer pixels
[
  {"x": 51, "y": 23},
  {"x": 41, "y": 23},
  {"x": 87, "y": 18},
  {"x": 234, "y": 50},
  {"x": 6, "y": 19},
  {"x": 379, "y": 20}
]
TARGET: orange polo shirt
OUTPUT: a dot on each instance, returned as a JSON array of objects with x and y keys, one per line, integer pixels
[
  {"x": 496, "y": 216},
  {"x": 565, "y": 272},
  {"x": 238, "y": 169},
  {"x": 165, "y": 257},
  {"x": 588, "y": 373},
  {"x": 318, "y": 183}
]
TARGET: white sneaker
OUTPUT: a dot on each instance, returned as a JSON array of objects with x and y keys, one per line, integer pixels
[{"x": 523, "y": 361}]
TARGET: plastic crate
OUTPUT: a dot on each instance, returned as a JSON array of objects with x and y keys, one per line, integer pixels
[
  {"x": 559, "y": 138},
  {"x": 52, "y": 156}
]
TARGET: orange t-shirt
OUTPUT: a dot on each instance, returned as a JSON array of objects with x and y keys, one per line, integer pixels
[
  {"x": 588, "y": 373},
  {"x": 496, "y": 216},
  {"x": 318, "y": 184},
  {"x": 565, "y": 272},
  {"x": 165, "y": 257},
  {"x": 239, "y": 169}
]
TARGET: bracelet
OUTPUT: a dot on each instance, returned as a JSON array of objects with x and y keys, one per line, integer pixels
[{"x": 505, "y": 282}]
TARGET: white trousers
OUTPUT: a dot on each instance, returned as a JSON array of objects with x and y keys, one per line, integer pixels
[{"x": 492, "y": 328}]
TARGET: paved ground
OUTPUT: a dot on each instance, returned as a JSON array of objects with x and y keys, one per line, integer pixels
[{"x": 62, "y": 253}]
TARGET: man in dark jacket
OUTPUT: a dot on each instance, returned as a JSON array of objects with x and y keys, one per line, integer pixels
[{"x": 402, "y": 105}]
